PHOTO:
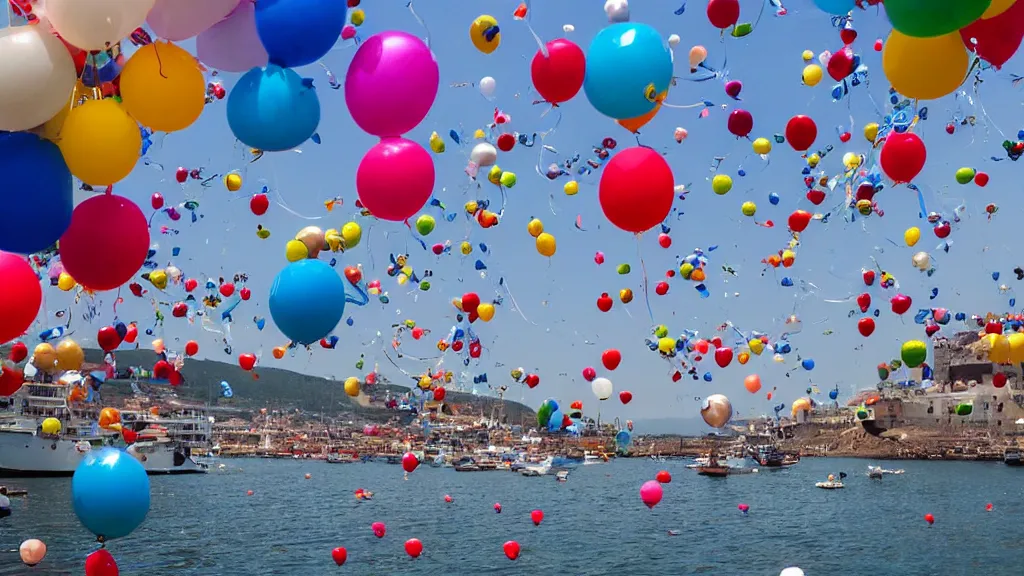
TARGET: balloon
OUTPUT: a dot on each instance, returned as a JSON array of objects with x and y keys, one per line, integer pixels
[
  {"x": 299, "y": 32},
  {"x": 716, "y": 410},
  {"x": 835, "y": 7},
  {"x": 32, "y": 551},
  {"x": 924, "y": 68},
  {"x": 110, "y": 493},
  {"x": 307, "y": 300},
  {"x": 233, "y": 45},
  {"x": 558, "y": 76},
  {"x": 811, "y": 75},
  {"x": 100, "y": 142},
  {"x": 903, "y": 156},
  {"x": 339, "y": 555},
  {"x": 801, "y": 131},
  {"x": 752, "y": 383},
  {"x": 637, "y": 189},
  {"x": 546, "y": 244},
  {"x": 635, "y": 124},
  {"x": 95, "y": 24},
  {"x": 273, "y": 109},
  {"x": 602, "y": 388},
  {"x": 487, "y": 86},
  {"x": 107, "y": 242},
  {"x": 391, "y": 83},
  {"x": 537, "y": 516},
  {"x": 312, "y": 238},
  {"x": 181, "y": 19},
  {"x": 651, "y": 493},
  {"x": 996, "y": 8},
  {"x": 395, "y": 179},
  {"x": 413, "y": 547},
  {"x": 996, "y": 38},
  {"x": 611, "y": 358},
  {"x": 39, "y": 200},
  {"x": 723, "y": 13},
  {"x": 913, "y": 353},
  {"x": 912, "y": 235},
  {"x": 628, "y": 66},
  {"x": 410, "y": 462},
  {"x": 485, "y": 34},
  {"x": 928, "y": 18},
  {"x": 698, "y": 54},
  {"x": 39, "y": 76},
  {"x": 486, "y": 311},
  {"x": 511, "y": 549},
  {"x": 70, "y": 355},
  {"x": 163, "y": 88},
  {"x": 20, "y": 296},
  {"x": 44, "y": 357},
  {"x": 740, "y": 123}
]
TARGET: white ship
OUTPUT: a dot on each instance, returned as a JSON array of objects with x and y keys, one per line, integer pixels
[{"x": 163, "y": 444}]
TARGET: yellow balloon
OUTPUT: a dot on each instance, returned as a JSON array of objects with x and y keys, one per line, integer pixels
[
  {"x": 912, "y": 235},
  {"x": 70, "y": 355},
  {"x": 546, "y": 244},
  {"x": 851, "y": 160},
  {"x": 352, "y": 386},
  {"x": 925, "y": 68},
  {"x": 100, "y": 142},
  {"x": 44, "y": 357},
  {"x": 65, "y": 282},
  {"x": 51, "y": 426},
  {"x": 1016, "y": 341},
  {"x": 571, "y": 188},
  {"x": 996, "y": 8},
  {"x": 163, "y": 88},
  {"x": 158, "y": 278},
  {"x": 666, "y": 344},
  {"x": 756, "y": 346},
  {"x": 333, "y": 239},
  {"x": 762, "y": 146},
  {"x": 811, "y": 74},
  {"x": 233, "y": 182},
  {"x": 494, "y": 176},
  {"x": 813, "y": 159},
  {"x": 721, "y": 184},
  {"x": 295, "y": 251},
  {"x": 535, "y": 227},
  {"x": 357, "y": 17},
  {"x": 351, "y": 233},
  {"x": 424, "y": 382},
  {"x": 748, "y": 208},
  {"x": 481, "y": 36},
  {"x": 999, "y": 348},
  {"x": 485, "y": 311},
  {"x": 466, "y": 248},
  {"x": 807, "y": 55},
  {"x": 871, "y": 131}
]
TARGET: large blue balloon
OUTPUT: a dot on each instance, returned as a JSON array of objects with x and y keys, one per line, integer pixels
[
  {"x": 307, "y": 300},
  {"x": 37, "y": 198},
  {"x": 628, "y": 64},
  {"x": 836, "y": 7},
  {"x": 273, "y": 109},
  {"x": 299, "y": 32},
  {"x": 110, "y": 493}
]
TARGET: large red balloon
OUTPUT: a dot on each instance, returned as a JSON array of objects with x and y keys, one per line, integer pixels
[
  {"x": 740, "y": 123},
  {"x": 21, "y": 295},
  {"x": 996, "y": 39},
  {"x": 637, "y": 189},
  {"x": 840, "y": 64},
  {"x": 801, "y": 131},
  {"x": 10, "y": 380},
  {"x": 107, "y": 242},
  {"x": 903, "y": 156},
  {"x": 723, "y": 13},
  {"x": 100, "y": 563},
  {"x": 559, "y": 77}
]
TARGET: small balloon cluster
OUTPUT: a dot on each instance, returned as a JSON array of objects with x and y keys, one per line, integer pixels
[{"x": 311, "y": 240}]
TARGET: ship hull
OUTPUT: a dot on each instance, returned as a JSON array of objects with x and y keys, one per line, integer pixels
[{"x": 28, "y": 455}]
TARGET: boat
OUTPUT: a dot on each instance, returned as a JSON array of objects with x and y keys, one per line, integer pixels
[
  {"x": 698, "y": 462},
  {"x": 875, "y": 473},
  {"x": 562, "y": 476},
  {"x": 832, "y": 483},
  {"x": 769, "y": 456},
  {"x": 715, "y": 469},
  {"x": 1011, "y": 456},
  {"x": 540, "y": 469},
  {"x": 589, "y": 459},
  {"x": 466, "y": 464},
  {"x": 342, "y": 458}
]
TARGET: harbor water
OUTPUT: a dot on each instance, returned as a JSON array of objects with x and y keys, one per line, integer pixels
[{"x": 594, "y": 524}]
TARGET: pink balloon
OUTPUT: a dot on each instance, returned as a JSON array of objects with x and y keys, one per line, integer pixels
[
  {"x": 651, "y": 493},
  {"x": 379, "y": 529},
  {"x": 20, "y": 296},
  {"x": 233, "y": 45},
  {"x": 107, "y": 242},
  {"x": 391, "y": 83},
  {"x": 589, "y": 374},
  {"x": 180, "y": 19},
  {"x": 395, "y": 179}
]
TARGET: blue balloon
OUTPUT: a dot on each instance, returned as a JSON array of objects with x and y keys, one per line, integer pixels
[
  {"x": 628, "y": 66},
  {"x": 836, "y": 7},
  {"x": 555, "y": 421},
  {"x": 774, "y": 199},
  {"x": 37, "y": 198},
  {"x": 110, "y": 493},
  {"x": 808, "y": 364},
  {"x": 307, "y": 300},
  {"x": 299, "y": 32},
  {"x": 273, "y": 109}
]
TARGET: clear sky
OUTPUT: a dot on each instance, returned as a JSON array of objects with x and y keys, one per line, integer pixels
[{"x": 561, "y": 330}]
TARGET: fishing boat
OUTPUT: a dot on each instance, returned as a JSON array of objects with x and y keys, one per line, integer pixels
[
  {"x": 716, "y": 469},
  {"x": 1011, "y": 456}
]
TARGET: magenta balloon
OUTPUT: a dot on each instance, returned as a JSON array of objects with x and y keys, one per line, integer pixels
[
  {"x": 391, "y": 83},
  {"x": 233, "y": 45},
  {"x": 180, "y": 19},
  {"x": 21, "y": 295},
  {"x": 394, "y": 179},
  {"x": 107, "y": 242},
  {"x": 651, "y": 493}
]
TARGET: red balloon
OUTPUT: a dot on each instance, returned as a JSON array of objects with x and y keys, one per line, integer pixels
[
  {"x": 799, "y": 220},
  {"x": 247, "y": 361},
  {"x": 156, "y": 201},
  {"x": 100, "y": 563},
  {"x": 537, "y": 516},
  {"x": 131, "y": 334},
  {"x": 413, "y": 547},
  {"x": 664, "y": 240},
  {"x": 191, "y": 348},
  {"x": 611, "y": 358},
  {"x": 439, "y": 393},
  {"x": 395, "y": 179},
  {"x": 340, "y": 555},
  {"x": 604, "y": 303},
  {"x": 900, "y": 303},
  {"x": 558, "y": 77},
  {"x": 532, "y": 380},
  {"x": 19, "y": 351},
  {"x": 506, "y": 142},
  {"x": 869, "y": 277},
  {"x": 723, "y": 13},
  {"x": 716, "y": 341},
  {"x": 929, "y": 518},
  {"x": 21, "y": 295},
  {"x": 227, "y": 289},
  {"x": 999, "y": 380},
  {"x": 174, "y": 378},
  {"x": 864, "y": 301},
  {"x": 107, "y": 242},
  {"x": 245, "y": 293},
  {"x": 108, "y": 338},
  {"x": 625, "y": 396},
  {"x": 840, "y": 65},
  {"x": 191, "y": 284},
  {"x": 723, "y": 356},
  {"x": 866, "y": 326},
  {"x": 410, "y": 462},
  {"x": 996, "y": 39},
  {"x": 801, "y": 132},
  {"x": 740, "y": 123},
  {"x": 994, "y": 327},
  {"x": 470, "y": 302},
  {"x": 663, "y": 477},
  {"x": 661, "y": 288},
  {"x": 637, "y": 189},
  {"x": 10, "y": 381},
  {"x": 379, "y": 529},
  {"x": 902, "y": 158},
  {"x": 259, "y": 204},
  {"x": 511, "y": 549}
]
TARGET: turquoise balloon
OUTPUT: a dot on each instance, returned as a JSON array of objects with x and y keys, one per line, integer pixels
[
  {"x": 307, "y": 300},
  {"x": 627, "y": 63},
  {"x": 836, "y": 7},
  {"x": 273, "y": 109},
  {"x": 110, "y": 493}
]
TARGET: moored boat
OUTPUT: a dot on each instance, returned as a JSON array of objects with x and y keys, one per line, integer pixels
[{"x": 1011, "y": 457}]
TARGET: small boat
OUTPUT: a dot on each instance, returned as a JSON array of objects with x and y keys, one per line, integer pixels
[
  {"x": 875, "y": 473},
  {"x": 829, "y": 485},
  {"x": 1011, "y": 457},
  {"x": 562, "y": 475},
  {"x": 698, "y": 462},
  {"x": 467, "y": 464},
  {"x": 589, "y": 459},
  {"x": 715, "y": 469},
  {"x": 342, "y": 458},
  {"x": 541, "y": 469}
]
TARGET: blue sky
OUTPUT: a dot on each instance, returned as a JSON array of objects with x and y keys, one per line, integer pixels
[{"x": 563, "y": 331}]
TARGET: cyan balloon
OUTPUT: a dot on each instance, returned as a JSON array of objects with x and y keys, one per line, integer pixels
[
  {"x": 273, "y": 109},
  {"x": 307, "y": 300},
  {"x": 836, "y": 7},
  {"x": 110, "y": 493},
  {"x": 555, "y": 421},
  {"x": 37, "y": 200},
  {"x": 628, "y": 65},
  {"x": 299, "y": 32}
]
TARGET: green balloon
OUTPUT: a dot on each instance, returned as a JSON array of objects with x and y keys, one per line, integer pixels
[
  {"x": 964, "y": 409},
  {"x": 928, "y": 18},
  {"x": 914, "y": 353},
  {"x": 544, "y": 414}
]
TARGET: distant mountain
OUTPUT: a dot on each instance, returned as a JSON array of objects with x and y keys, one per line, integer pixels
[{"x": 678, "y": 426}]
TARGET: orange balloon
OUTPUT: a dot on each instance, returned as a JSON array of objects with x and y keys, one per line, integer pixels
[
  {"x": 743, "y": 358},
  {"x": 279, "y": 352},
  {"x": 752, "y": 383},
  {"x": 635, "y": 124},
  {"x": 109, "y": 417}
]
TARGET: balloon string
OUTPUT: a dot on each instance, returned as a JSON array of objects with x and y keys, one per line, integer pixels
[
  {"x": 643, "y": 281},
  {"x": 364, "y": 298},
  {"x": 686, "y": 107},
  {"x": 421, "y": 22},
  {"x": 279, "y": 200},
  {"x": 508, "y": 291},
  {"x": 160, "y": 63},
  {"x": 540, "y": 44}
]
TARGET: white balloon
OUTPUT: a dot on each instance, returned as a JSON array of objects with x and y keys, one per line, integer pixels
[
  {"x": 567, "y": 28},
  {"x": 792, "y": 571},
  {"x": 674, "y": 40},
  {"x": 484, "y": 154},
  {"x": 177, "y": 20},
  {"x": 37, "y": 76},
  {"x": 602, "y": 388},
  {"x": 93, "y": 24},
  {"x": 617, "y": 10},
  {"x": 487, "y": 86}
]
